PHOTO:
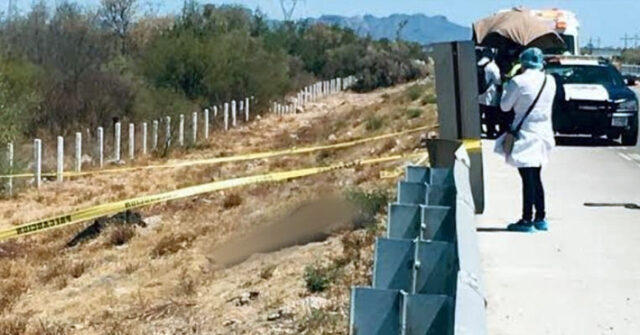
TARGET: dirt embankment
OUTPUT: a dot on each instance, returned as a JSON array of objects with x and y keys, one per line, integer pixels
[{"x": 263, "y": 259}]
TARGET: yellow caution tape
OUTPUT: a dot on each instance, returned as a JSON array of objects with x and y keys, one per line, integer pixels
[
  {"x": 470, "y": 144},
  {"x": 116, "y": 207},
  {"x": 218, "y": 160}
]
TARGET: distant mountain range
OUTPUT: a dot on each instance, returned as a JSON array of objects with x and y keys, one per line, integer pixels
[{"x": 419, "y": 27}]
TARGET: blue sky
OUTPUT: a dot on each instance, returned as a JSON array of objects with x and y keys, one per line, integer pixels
[{"x": 607, "y": 19}]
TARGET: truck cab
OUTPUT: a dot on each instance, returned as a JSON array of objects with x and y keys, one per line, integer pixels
[{"x": 593, "y": 99}]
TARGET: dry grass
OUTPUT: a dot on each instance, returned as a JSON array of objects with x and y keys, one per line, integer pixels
[{"x": 165, "y": 278}]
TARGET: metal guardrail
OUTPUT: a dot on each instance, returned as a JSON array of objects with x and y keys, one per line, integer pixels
[
  {"x": 427, "y": 276},
  {"x": 628, "y": 69}
]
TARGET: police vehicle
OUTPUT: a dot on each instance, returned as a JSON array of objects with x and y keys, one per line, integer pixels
[{"x": 593, "y": 99}]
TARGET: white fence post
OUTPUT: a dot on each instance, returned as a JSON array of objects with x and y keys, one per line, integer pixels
[
  {"x": 181, "y": 131},
  {"x": 234, "y": 113},
  {"x": 60, "y": 160},
  {"x": 246, "y": 109},
  {"x": 226, "y": 116},
  {"x": 194, "y": 128},
  {"x": 241, "y": 107},
  {"x": 215, "y": 112},
  {"x": 144, "y": 138},
  {"x": 206, "y": 123},
  {"x": 154, "y": 142},
  {"x": 10, "y": 169},
  {"x": 117, "y": 139},
  {"x": 132, "y": 141},
  {"x": 37, "y": 156},
  {"x": 100, "y": 146},
  {"x": 167, "y": 133},
  {"x": 78, "y": 152}
]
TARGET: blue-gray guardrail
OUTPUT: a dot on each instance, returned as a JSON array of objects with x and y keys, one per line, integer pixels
[{"x": 427, "y": 276}]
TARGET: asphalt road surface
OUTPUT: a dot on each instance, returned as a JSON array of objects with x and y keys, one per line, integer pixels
[{"x": 581, "y": 277}]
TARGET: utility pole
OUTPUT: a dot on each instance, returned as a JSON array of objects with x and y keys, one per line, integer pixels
[
  {"x": 12, "y": 10},
  {"x": 288, "y": 7},
  {"x": 626, "y": 40}
]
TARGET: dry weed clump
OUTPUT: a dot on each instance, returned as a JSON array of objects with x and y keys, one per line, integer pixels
[
  {"x": 231, "y": 200},
  {"x": 172, "y": 243},
  {"x": 10, "y": 290},
  {"x": 13, "y": 326},
  {"x": 121, "y": 234}
]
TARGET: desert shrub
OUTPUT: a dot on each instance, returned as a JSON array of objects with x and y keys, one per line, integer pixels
[
  {"x": 368, "y": 203},
  {"x": 374, "y": 123},
  {"x": 318, "y": 278},
  {"x": 171, "y": 244},
  {"x": 121, "y": 234},
  {"x": 429, "y": 99},
  {"x": 413, "y": 113},
  {"x": 414, "y": 92},
  {"x": 232, "y": 200}
]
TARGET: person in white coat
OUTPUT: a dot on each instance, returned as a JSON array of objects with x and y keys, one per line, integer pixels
[{"x": 535, "y": 139}]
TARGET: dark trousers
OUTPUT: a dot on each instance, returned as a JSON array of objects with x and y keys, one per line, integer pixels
[{"x": 532, "y": 194}]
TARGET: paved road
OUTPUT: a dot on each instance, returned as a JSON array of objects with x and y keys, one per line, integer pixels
[{"x": 582, "y": 277}]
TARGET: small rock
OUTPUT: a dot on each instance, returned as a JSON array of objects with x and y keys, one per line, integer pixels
[
  {"x": 332, "y": 137},
  {"x": 229, "y": 323},
  {"x": 274, "y": 316},
  {"x": 315, "y": 302}
]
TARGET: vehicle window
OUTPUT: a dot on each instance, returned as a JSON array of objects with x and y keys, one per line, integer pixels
[{"x": 587, "y": 74}]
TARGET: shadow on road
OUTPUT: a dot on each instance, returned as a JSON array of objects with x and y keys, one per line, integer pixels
[
  {"x": 492, "y": 230},
  {"x": 577, "y": 141}
]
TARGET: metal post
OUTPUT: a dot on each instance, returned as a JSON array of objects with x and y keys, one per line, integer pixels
[
  {"x": 37, "y": 155},
  {"x": 10, "y": 169},
  {"x": 194, "y": 128},
  {"x": 60, "y": 160},
  {"x": 100, "y": 146},
  {"x": 246, "y": 109},
  {"x": 144, "y": 138},
  {"x": 167, "y": 133},
  {"x": 154, "y": 143},
  {"x": 226, "y": 116},
  {"x": 117, "y": 139},
  {"x": 206, "y": 123},
  {"x": 132, "y": 141},
  {"x": 181, "y": 131},
  {"x": 78, "y": 152}
]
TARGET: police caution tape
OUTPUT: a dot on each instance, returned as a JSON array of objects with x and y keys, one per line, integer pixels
[
  {"x": 236, "y": 158},
  {"x": 116, "y": 207}
]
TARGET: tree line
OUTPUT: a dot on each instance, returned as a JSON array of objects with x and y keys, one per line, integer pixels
[{"x": 68, "y": 66}]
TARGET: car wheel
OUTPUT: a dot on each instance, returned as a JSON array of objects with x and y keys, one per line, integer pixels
[{"x": 630, "y": 138}]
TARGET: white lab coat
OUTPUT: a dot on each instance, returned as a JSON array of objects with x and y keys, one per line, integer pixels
[
  {"x": 536, "y": 138},
  {"x": 493, "y": 79}
]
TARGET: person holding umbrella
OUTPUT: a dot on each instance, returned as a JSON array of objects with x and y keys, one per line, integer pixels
[{"x": 529, "y": 141}]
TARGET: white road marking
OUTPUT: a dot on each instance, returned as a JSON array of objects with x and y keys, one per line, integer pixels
[
  {"x": 635, "y": 156},
  {"x": 625, "y": 156}
]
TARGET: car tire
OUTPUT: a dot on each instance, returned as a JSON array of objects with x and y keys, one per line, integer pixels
[{"x": 630, "y": 138}]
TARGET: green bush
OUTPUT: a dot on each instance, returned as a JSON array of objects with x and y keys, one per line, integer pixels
[
  {"x": 368, "y": 204},
  {"x": 415, "y": 92},
  {"x": 373, "y": 123},
  {"x": 413, "y": 113},
  {"x": 317, "y": 278},
  {"x": 429, "y": 99}
]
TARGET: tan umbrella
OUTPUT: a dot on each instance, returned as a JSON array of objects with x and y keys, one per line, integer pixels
[{"x": 518, "y": 26}]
